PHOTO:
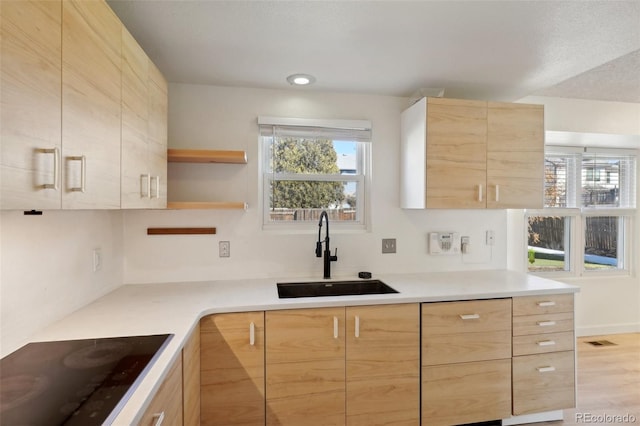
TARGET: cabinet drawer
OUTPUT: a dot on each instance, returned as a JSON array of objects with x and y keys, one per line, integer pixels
[
  {"x": 452, "y": 348},
  {"x": 473, "y": 316},
  {"x": 543, "y": 343},
  {"x": 466, "y": 331},
  {"x": 545, "y": 304},
  {"x": 539, "y": 324},
  {"x": 543, "y": 382},
  {"x": 466, "y": 393}
]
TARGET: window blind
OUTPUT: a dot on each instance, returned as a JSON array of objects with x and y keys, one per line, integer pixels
[
  {"x": 590, "y": 178},
  {"x": 347, "y": 130}
]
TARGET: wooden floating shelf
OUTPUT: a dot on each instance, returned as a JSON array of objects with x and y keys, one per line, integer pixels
[
  {"x": 206, "y": 156},
  {"x": 206, "y": 205},
  {"x": 181, "y": 231}
]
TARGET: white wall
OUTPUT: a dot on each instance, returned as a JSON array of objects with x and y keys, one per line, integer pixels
[
  {"x": 210, "y": 117},
  {"x": 605, "y": 304},
  {"x": 46, "y": 267}
]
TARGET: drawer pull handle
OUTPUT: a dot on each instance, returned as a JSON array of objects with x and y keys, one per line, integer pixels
[
  {"x": 547, "y": 303},
  {"x": 252, "y": 334},
  {"x": 546, "y": 343},
  {"x": 546, "y": 323},
  {"x": 470, "y": 316},
  {"x": 357, "y": 331},
  {"x": 335, "y": 327},
  {"x": 546, "y": 369},
  {"x": 158, "y": 418}
]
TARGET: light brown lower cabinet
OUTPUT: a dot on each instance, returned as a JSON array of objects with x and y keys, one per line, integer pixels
[
  {"x": 469, "y": 392},
  {"x": 383, "y": 365},
  {"x": 343, "y": 366},
  {"x": 166, "y": 406},
  {"x": 543, "y": 382},
  {"x": 466, "y": 361},
  {"x": 191, "y": 379},
  {"x": 443, "y": 363},
  {"x": 232, "y": 369},
  {"x": 543, "y": 354},
  {"x": 177, "y": 401}
]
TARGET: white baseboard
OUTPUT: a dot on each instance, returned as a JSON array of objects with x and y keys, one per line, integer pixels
[
  {"x": 598, "y": 330},
  {"x": 548, "y": 416}
]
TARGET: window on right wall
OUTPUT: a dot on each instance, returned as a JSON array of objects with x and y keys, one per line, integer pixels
[{"x": 590, "y": 205}]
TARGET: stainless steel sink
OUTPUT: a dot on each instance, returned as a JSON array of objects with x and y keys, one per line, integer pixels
[{"x": 332, "y": 288}]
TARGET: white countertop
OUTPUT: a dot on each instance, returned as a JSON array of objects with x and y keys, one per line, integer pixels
[{"x": 177, "y": 307}]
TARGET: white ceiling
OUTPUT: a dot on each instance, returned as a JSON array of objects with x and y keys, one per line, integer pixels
[{"x": 498, "y": 50}]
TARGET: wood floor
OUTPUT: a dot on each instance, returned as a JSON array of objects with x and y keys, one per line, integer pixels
[{"x": 608, "y": 384}]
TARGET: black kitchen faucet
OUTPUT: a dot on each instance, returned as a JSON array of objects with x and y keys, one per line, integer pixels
[{"x": 328, "y": 258}]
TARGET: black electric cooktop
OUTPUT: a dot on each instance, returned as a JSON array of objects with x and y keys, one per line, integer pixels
[{"x": 74, "y": 382}]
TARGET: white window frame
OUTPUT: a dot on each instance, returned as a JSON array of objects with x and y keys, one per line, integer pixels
[
  {"x": 362, "y": 179},
  {"x": 578, "y": 216}
]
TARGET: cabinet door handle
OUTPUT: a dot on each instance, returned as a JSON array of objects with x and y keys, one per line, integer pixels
[
  {"x": 497, "y": 193},
  {"x": 252, "y": 334},
  {"x": 158, "y": 418},
  {"x": 547, "y": 369},
  {"x": 145, "y": 186},
  {"x": 470, "y": 316},
  {"x": 546, "y": 323},
  {"x": 546, "y": 343},
  {"x": 83, "y": 173},
  {"x": 357, "y": 332},
  {"x": 156, "y": 193},
  {"x": 56, "y": 167},
  {"x": 546, "y": 303},
  {"x": 335, "y": 327},
  {"x": 480, "y": 192}
]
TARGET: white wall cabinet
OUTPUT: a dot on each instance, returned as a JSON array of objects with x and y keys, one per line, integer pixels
[{"x": 466, "y": 154}]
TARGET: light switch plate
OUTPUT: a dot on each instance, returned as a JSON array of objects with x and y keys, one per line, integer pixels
[{"x": 388, "y": 245}]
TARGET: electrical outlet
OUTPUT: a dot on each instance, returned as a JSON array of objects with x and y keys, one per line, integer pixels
[
  {"x": 97, "y": 259},
  {"x": 388, "y": 245},
  {"x": 491, "y": 238},
  {"x": 224, "y": 249}
]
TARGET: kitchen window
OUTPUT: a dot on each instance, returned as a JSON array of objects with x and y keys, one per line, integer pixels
[
  {"x": 313, "y": 165},
  {"x": 590, "y": 205}
]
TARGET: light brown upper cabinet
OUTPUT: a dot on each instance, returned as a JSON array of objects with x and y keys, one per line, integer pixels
[
  {"x": 466, "y": 154},
  {"x": 515, "y": 155},
  {"x": 144, "y": 129},
  {"x": 65, "y": 65},
  {"x": 91, "y": 105},
  {"x": 30, "y": 129},
  {"x": 157, "y": 135}
]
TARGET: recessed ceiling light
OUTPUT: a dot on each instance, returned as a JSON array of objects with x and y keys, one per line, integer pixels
[{"x": 301, "y": 79}]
